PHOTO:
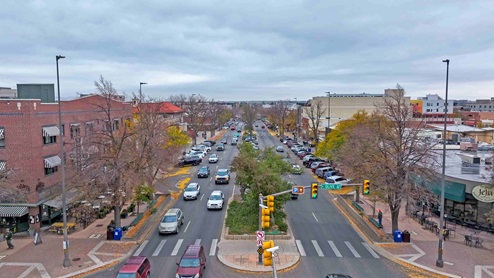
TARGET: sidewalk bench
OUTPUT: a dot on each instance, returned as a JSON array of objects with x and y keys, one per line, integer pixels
[
  {"x": 357, "y": 206},
  {"x": 136, "y": 220},
  {"x": 373, "y": 221}
]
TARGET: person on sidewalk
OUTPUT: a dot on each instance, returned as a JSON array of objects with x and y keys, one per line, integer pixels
[
  {"x": 380, "y": 218},
  {"x": 9, "y": 239}
]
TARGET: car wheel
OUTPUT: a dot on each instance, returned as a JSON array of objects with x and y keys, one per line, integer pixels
[
  {"x": 178, "y": 229},
  {"x": 228, "y": 182}
]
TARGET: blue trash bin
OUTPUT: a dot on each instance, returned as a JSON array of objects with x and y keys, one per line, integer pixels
[
  {"x": 117, "y": 234},
  {"x": 397, "y": 236}
]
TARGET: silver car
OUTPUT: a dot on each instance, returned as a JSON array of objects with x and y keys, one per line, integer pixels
[
  {"x": 171, "y": 222},
  {"x": 192, "y": 191}
]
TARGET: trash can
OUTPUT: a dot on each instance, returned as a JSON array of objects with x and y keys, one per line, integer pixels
[
  {"x": 397, "y": 236},
  {"x": 406, "y": 236},
  {"x": 109, "y": 234},
  {"x": 117, "y": 234}
]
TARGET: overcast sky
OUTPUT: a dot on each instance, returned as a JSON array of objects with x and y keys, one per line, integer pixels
[{"x": 251, "y": 50}]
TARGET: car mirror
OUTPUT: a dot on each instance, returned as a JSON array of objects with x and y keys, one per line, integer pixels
[{"x": 178, "y": 263}]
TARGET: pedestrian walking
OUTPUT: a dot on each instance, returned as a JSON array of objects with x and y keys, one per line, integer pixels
[
  {"x": 9, "y": 239},
  {"x": 380, "y": 217}
]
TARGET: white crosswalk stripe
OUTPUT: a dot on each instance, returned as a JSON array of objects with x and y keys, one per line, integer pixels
[
  {"x": 335, "y": 250},
  {"x": 212, "y": 251},
  {"x": 300, "y": 247},
  {"x": 318, "y": 249},
  {"x": 177, "y": 247},
  {"x": 354, "y": 252},
  {"x": 158, "y": 249},
  {"x": 139, "y": 250}
]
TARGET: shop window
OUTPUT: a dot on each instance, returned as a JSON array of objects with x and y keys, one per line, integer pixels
[{"x": 51, "y": 170}]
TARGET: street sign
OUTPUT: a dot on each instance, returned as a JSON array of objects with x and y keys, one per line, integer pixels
[
  {"x": 260, "y": 235},
  {"x": 331, "y": 186},
  {"x": 259, "y": 242},
  {"x": 260, "y": 250},
  {"x": 297, "y": 190}
]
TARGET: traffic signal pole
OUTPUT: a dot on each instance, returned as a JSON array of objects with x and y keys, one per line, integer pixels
[{"x": 260, "y": 223}]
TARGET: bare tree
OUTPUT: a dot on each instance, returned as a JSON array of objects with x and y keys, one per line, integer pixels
[
  {"x": 249, "y": 115},
  {"x": 387, "y": 149},
  {"x": 314, "y": 112},
  {"x": 278, "y": 114},
  {"x": 195, "y": 107},
  {"x": 214, "y": 113}
]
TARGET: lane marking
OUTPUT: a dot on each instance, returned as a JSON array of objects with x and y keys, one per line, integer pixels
[
  {"x": 139, "y": 250},
  {"x": 335, "y": 250},
  {"x": 370, "y": 250},
  {"x": 198, "y": 241},
  {"x": 315, "y": 217},
  {"x": 186, "y": 227},
  {"x": 318, "y": 249},
  {"x": 300, "y": 247},
  {"x": 177, "y": 247},
  {"x": 158, "y": 249},
  {"x": 212, "y": 251},
  {"x": 354, "y": 252}
]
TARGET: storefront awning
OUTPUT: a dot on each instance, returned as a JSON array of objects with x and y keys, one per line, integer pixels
[
  {"x": 13, "y": 211},
  {"x": 49, "y": 131},
  {"x": 52, "y": 161},
  {"x": 57, "y": 201},
  {"x": 452, "y": 190}
]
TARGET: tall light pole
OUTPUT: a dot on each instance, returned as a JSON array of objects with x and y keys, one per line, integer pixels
[
  {"x": 65, "y": 244},
  {"x": 329, "y": 110},
  {"x": 440, "y": 262},
  {"x": 140, "y": 90}
]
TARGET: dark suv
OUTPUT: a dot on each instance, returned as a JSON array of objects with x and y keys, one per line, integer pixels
[{"x": 190, "y": 160}]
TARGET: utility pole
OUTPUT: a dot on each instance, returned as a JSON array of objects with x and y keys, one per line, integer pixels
[{"x": 260, "y": 223}]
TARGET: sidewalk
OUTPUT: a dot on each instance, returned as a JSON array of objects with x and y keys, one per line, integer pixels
[{"x": 460, "y": 260}]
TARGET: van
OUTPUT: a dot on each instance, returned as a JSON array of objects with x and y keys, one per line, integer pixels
[
  {"x": 135, "y": 267},
  {"x": 192, "y": 263}
]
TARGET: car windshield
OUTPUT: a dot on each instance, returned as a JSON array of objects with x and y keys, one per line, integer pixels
[
  {"x": 203, "y": 169},
  {"x": 190, "y": 262},
  {"x": 169, "y": 219},
  {"x": 215, "y": 197},
  {"x": 126, "y": 275},
  {"x": 222, "y": 173},
  {"x": 190, "y": 188},
  {"x": 213, "y": 156},
  {"x": 296, "y": 166}
]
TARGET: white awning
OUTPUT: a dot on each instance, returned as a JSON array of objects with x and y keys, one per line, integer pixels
[
  {"x": 53, "y": 161},
  {"x": 2, "y": 133},
  {"x": 13, "y": 211},
  {"x": 3, "y": 166},
  {"x": 49, "y": 131}
]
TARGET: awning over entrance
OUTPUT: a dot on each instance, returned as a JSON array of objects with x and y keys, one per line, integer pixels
[
  {"x": 52, "y": 161},
  {"x": 13, "y": 211},
  {"x": 49, "y": 131},
  {"x": 57, "y": 201},
  {"x": 452, "y": 190}
]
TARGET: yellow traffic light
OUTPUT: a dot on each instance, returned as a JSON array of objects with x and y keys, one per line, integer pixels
[
  {"x": 366, "y": 187},
  {"x": 267, "y": 256},
  {"x": 270, "y": 203},
  {"x": 266, "y": 219},
  {"x": 314, "y": 187}
]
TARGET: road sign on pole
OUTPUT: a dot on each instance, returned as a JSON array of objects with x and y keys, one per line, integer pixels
[
  {"x": 331, "y": 186},
  {"x": 260, "y": 242},
  {"x": 297, "y": 190},
  {"x": 260, "y": 235}
]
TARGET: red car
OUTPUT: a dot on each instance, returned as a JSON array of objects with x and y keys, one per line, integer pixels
[{"x": 232, "y": 128}]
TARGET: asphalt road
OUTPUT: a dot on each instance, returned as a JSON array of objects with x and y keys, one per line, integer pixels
[{"x": 327, "y": 242}]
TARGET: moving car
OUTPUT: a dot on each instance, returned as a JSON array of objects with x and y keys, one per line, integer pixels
[
  {"x": 192, "y": 263},
  {"x": 203, "y": 172},
  {"x": 192, "y": 191},
  {"x": 136, "y": 266},
  {"x": 280, "y": 149},
  {"x": 213, "y": 158},
  {"x": 171, "y": 222},
  {"x": 220, "y": 147},
  {"x": 232, "y": 127},
  {"x": 222, "y": 176},
  {"x": 190, "y": 160},
  {"x": 224, "y": 141},
  {"x": 215, "y": 200},
  {"x": 297, "y": 170},
  {"x": 234, "y": 141}
]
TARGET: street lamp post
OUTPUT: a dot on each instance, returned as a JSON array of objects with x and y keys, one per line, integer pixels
[
  {"x": 440, "y": 262},
  {"x": 65, "y": 244},
  {"x": 329, "y": 110},
  {"x": 140, "y": 90}
]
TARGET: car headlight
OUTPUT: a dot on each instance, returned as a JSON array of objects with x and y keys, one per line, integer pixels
[
  {"x": 196, "y": 276},
  {"x": 177, "y": 276}
]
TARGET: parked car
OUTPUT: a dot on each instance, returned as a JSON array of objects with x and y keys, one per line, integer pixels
[
  {"x": 192, "y": 191},
  {"x": 337, "y": 179},
  {"x": 314, "y": 164},
  {"x": 215, "y": 200},
  {"x": 201, "y": 154},
  {"x": 203, "y": 172},
  {"x": 307, "y": 163},
  {"x": 330, "y": 173},
  {"x": 296, "y": 169},
  {"x": 171, "y": 222},
  {"x": 210, "y": 142},
  {"x": 280, "y": 149},
  {"x": 190, "y": 160},
  {"x": 213, "y": 158},
  {"x": 222, "y": 176},
  {"x": 220, "y": 147},
  {"x": 192, "y": 263},
  {"x": 321, "y": 170},
  {"x": 224, "y": 141},
  {"x": 136, "y": 266},
  {"x": 320, "y": 165}
]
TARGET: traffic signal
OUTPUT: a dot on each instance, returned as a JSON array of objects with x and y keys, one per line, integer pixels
[
  {"x": 266, "y": 219},
  {"x": 314, "y": 187},
  {"x": 267, "y": 256},
  {"x": 270, "y": 203},
  {"x": 366, "y": 187}
]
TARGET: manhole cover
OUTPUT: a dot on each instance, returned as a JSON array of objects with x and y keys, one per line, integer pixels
[
  {"x": 76, "y": 259},
  {"x": 99, "y": 225}
]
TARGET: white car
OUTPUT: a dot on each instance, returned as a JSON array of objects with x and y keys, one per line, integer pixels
[
  {"x": 337, "y": 179},
  {"x": 201, "y": 154},
  {"x": 202, "y": 148},
  {"x": 192, "y": 191},
  {"x": 213, "y": 158},
  {"x": 215, "y": 200}
]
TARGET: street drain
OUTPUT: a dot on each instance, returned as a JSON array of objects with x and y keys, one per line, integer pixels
[{"x": 76, "y": 259}]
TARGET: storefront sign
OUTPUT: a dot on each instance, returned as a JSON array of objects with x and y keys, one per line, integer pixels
[{"x": 483, "y": 193}]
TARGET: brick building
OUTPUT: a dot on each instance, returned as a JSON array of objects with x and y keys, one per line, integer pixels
[{"x": 30, "y": 150}]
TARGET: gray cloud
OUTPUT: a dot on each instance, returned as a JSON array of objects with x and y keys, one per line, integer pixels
[{"x": 251, "y": 50}]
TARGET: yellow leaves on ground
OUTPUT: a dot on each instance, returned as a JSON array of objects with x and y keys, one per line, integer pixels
[
  {"x": 183, "y": 183},
  {"x": 133, "y": 231}
]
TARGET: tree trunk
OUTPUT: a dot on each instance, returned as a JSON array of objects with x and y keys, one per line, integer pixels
[
  {"x": 116, "y": 214},
  {"x": 374, "y": 208},
  {"x": 395, "y": 212}
]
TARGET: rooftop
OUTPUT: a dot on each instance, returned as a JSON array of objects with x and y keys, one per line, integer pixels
[{"x": 457, "y": 169}]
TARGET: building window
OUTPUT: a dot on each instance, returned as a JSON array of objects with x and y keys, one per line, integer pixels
[
  {"x": 51, "y": 164},
  {"x": 3, "y": 166},
  {"x": 88, "y": 128},
  {"x": 75, "y": 131},
  {"x": 51, "y": 170},
  {"x": 2, "y": 137},
  {"x": 106, "y": 125},
  {"x": 116, "y": 124},
  {"x": 50, "y": 134}
]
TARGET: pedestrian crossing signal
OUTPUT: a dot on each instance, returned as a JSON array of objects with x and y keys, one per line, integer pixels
[
  {"x": 314, "y": 188},
  {"x": 366, "y": 187}
]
